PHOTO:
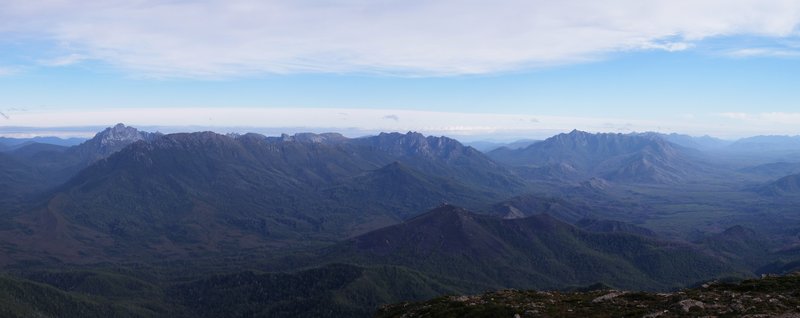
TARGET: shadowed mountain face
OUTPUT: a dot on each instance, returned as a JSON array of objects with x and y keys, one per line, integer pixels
[
  {"x": 180, "y": 193},
  {"x": 615, "y": 157},
  {"x": 786, "y": 186},
  {"x": 537, "y": 251},
  {"x": 738, "y": 244},
  {"x": 17, "y": 179}
]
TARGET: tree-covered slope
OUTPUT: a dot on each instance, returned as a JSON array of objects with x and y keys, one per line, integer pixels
[{"x": 533, "y": 252}]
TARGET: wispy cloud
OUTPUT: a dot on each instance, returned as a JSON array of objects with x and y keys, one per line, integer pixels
[
  {"x": 63, "y": 60},
  {"x": 770, "y": 117},
  {"x": 780, "y": 117},
  {"x": 781, "y": 123},
  {"x": 733, "y": 115},
  {"x": 667, "y": 46},
  {"x": 764, "y": 52},
  {"x": 6, "y": 71},
  {"x": 220, "y": 38}
]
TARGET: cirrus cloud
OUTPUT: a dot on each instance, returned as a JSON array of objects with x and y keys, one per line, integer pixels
[{"x": 224, "y": 38}]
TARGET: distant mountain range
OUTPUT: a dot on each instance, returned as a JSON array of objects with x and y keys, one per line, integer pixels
[
  {"x": 614, "y": 157},
  {"x": 704, "y": 143},
  {"x": 486, "y": 146},
  {"x": 767, "y": 143},
  {"x": 187, "y": 224},
  {"x": 9, "y": 144}
]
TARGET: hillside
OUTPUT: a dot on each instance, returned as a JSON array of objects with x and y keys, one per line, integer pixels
[
  {"x": 17, "y": 179},
  {"x": 533, "y": 252},
  {"x": 334, "y": 290},
  {"x": 786, "y": 186}
]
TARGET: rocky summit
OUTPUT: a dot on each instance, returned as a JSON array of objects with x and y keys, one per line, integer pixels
[{"x": 770, "y": 296}]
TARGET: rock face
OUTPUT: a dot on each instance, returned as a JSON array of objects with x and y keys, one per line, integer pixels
[
  {"x": 113, "y": 139},
  {"x": 766, "y": 297}
]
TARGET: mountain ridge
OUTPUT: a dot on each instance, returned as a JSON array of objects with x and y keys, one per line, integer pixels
[
  {"x": 178, "y": 192},
  {"x": 645, "y": 158}
]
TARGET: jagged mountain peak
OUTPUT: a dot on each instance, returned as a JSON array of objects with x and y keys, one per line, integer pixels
[
  {"x": 109, "y": 141},
  {"x": 119, "y": 133},
  {"x": 114, "y": 138}
]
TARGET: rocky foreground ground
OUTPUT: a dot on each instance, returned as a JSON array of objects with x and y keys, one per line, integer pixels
[{"x": 765, "y": 297}]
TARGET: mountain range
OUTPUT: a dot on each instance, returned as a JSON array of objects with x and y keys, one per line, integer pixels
[
  {"x": 211, "y": 192},
  {"x": 188, "y": 224}
]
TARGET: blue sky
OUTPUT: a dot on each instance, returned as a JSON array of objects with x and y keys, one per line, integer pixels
[{"x": 497, "y": 70}]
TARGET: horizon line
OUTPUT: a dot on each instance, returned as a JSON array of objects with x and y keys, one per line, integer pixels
[{"x": 89, "y": 131}]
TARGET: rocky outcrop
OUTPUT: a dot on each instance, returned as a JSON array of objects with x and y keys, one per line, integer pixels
[{"x": 765, "y": 297}]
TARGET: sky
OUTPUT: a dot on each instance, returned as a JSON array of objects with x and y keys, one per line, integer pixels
[{"x": 498, "y": 70}]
